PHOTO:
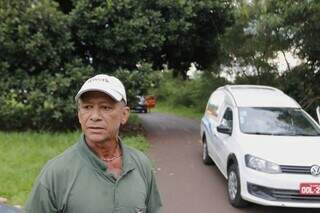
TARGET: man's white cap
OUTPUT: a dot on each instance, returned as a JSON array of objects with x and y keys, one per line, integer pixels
[{"x": 104, "y": 83}]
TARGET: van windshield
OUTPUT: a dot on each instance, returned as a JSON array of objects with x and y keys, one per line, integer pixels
[{"x": 276, "y": 121}]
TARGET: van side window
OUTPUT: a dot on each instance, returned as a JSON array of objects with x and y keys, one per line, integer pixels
[
  {"x": 227, "y": 118},
  {"x": 214, "y": 104}
]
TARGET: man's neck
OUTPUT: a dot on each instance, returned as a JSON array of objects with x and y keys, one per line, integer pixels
[{"x": 106, "y": 149}]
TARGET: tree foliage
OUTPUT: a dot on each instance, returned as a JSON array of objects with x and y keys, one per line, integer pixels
[
  {"x": 113, "y": 34},
  {"x": 300, "y": 24},
  {"x": 265, "y": 29},
  {"x": 192, "y": 94},
  {"x": 34, "y": 37},
  {"x": 38, "y": 68},
  {"x": 191, "y": 30},
  {"x": 138, "y": 81},
  {"x": 253, "y": 40},
  {"x": 121, "y": 33},
  {"x": 48, "y": 48}
]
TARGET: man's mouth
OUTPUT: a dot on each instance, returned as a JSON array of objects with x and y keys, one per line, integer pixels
[{"x": 95, "y": 128}]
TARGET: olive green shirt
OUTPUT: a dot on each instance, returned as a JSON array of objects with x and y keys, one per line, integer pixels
[{"x": 77, "y": 181}]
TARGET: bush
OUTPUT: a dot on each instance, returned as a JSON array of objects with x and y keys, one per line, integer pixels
[
  {"x": 41, "y": 102},
  {"x": 190, "y": 93},
  {"x": 302, "y": 84},
  {"x": 138, "y": 81},
  {"x": 133, "y": 127},
  {"x": 45, "y": 102},
  {"x": 40, "y": 72}
]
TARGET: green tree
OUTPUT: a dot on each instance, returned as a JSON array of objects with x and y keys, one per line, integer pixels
[
  {"x": 301, "y": 26},
  {"x": 38, "y": 68},
  {"x": 34, "y": 37},
  {"x": 138, "y": 81},
  {"x": 121, "y": 33},
  {"x": 302, "y": 83},
  {"x": 192, "y": 29},
  {"x": 114, "y": 34},
  {"x": 253, "y": 41},
  {"x": 262, "y": 30}
]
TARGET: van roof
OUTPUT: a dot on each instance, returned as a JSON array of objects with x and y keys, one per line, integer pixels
[{"x": 260, "y": 96}]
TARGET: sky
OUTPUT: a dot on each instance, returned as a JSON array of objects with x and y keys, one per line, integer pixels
[{"x": 280, "y": 62}]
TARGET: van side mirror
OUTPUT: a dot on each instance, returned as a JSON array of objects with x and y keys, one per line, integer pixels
[
  {"x": 318, "y": 113},
  {"x": 224, "y": 129}
]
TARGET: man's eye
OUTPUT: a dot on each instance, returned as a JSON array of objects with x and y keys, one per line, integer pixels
[
  {"x": 107, "y": 108},
  {"x": 87, "y": 106}
]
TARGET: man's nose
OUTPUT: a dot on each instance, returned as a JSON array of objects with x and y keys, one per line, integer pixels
[{"x": 95, "y": 115}]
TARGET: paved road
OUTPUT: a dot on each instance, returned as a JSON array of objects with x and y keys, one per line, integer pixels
[
  {"x": 185, "y": 183},
  {"x": 7, "y": 209}
]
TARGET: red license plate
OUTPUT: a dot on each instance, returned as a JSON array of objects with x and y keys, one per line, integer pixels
[{"x": 310, "y": 189}]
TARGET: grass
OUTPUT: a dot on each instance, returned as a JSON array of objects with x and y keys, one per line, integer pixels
[
  {"x": 22, "y": 156},
  {"x": 134, "y": 119},
  {"x": 178, "y": 110}
]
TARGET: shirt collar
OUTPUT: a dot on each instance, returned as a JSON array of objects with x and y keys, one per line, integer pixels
[{"x": 92, "y": 158}]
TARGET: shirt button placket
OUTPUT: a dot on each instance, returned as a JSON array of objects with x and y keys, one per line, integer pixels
[{"x": 115, "y": 193}]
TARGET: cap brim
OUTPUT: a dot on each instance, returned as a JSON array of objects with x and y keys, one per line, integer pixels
[{"x": 110, "y": 92}]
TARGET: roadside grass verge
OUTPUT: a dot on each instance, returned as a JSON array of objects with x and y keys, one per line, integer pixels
[
  {"x": 178, "y": 110},
  {"x": 23, "y": 154}
]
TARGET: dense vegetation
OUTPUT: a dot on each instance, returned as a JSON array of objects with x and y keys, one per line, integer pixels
[
  {"x": 266, "y": 29},
  {"x": 48, "y": 48},
  {"x": 262, "y": 31}
]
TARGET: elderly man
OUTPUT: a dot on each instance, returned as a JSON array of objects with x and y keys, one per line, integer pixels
[{"x": 99, "y": 174}]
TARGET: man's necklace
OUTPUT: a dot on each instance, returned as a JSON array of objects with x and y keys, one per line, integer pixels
[{"x": 108, "y": 160}]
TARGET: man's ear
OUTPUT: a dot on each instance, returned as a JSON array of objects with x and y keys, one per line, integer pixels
[
  {"x": 78, "y": 114},
  {"x": 125, "y": 115},
  {"x": 78, "y": 111}
]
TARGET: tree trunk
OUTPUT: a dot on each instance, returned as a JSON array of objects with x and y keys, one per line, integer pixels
[{"x": 285, "y": 58}]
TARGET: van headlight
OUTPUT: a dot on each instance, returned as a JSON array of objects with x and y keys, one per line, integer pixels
[{"x": 262, "y": 165}]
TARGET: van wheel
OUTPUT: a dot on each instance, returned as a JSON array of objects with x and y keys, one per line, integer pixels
[
  {"x": 205, "y": 156},
  {"x": 234, "y": 189}
]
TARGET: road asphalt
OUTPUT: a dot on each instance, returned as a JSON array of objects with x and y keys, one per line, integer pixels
[
  {"x": 8, "y": 209},
  {"x": 185, "y": 183}
]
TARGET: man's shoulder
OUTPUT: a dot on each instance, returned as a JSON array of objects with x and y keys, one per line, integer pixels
[
  {"x": 65, "y": 157},
  {"x": 140, "y": 160},
  {"x": 136, "y": 154},
  {"x": 62, "y": 163}
]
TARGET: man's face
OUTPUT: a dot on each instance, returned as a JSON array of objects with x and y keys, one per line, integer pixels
[{"x": 100, "y": 116}]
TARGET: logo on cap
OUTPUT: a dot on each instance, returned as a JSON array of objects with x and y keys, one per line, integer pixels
[{"x": 98, "y": 79}]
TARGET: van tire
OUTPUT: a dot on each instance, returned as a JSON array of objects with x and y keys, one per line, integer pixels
[
  {"x": 205, "y": 156},
  {"x": 234, "y": 188}
]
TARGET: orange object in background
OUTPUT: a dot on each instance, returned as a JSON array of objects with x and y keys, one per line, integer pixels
[{"x": 150, "y": 101}]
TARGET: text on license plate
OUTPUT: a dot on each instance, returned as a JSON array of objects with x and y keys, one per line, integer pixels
[{"x": 310, "y": 189}]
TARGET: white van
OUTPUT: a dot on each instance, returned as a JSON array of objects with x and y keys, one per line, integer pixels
[{"x": 265, "y": 144}]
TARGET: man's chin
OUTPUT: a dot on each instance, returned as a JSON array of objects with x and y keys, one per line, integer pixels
[{"x": 96, "y": 138}]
